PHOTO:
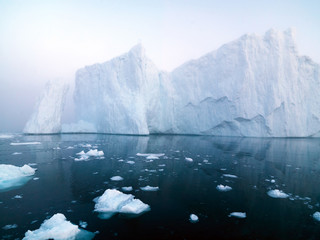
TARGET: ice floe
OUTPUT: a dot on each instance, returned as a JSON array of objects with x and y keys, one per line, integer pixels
[
  {"x": 113, "y": 201},
  {"x": 223, "y": 188},
  {"x": 9, "y": 226},
  {"x": 12, "y": 176},
  {"x": 24, "y": 143},
  {"x": 149, "y": 188},
  {"x": 189, "y": 159},
  {"x": 127, "y": 189},
  {"x": 151, "y": 156},
  {"x": 84, "y": 156},
  {"x": 238, "y": 214},
  {"x": 16, "y": 153},
  {"x": 276, "y": 193},
  {"x": 116, "y": 178},
  {"x": 230, "y": 176},
  {"x": 5, "y": 136},
  {"x": 316, "y": 216},
  {"x": 193, "y": 218},
  {"x": 131, "y": 162},
  {"x": 57, "y": 227}
]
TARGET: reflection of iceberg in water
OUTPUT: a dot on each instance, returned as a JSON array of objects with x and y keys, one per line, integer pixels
[{"x": 12, "y": 177}]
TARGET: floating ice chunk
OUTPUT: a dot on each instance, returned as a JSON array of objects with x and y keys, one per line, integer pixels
[
  {"x": 131, "y": 162},
  {"x": 83, "y": 224},
  {"x": 116, "y": 178},
  {"x": 150, "y": 155},
  {"x": 113, "y": 201},
  {"x": 70, "y": 147},
  {"x": 230, "y": 176},
  {"x": 316, "y": 216},
  {"x": 222, "y": 188},
  {"x": 12, "y": 176},
  {"x": 238, "y": 214},
  {"x": 193, "y": 218},
  {"x": 277, "y": 194},
  {"x": 57, "y": 227},
  {"x": 82, "y": 158},
  {"x": 24, "y": 143},
  {"x": 189, "y": 159},
  {"x": 127, "y": 189},
  {"x": 9, "y": 226},
  {"x": 149, "y": 188},
  {"x": 16, "y": 153},
  {"x": 273, "y": 181},
  {"x": 81, "y": 153},
  {"x": 94, "y": 153},
  {"x": 5, "y": 136},
  {"x": 17, "y": 197},
  {"x": 161, "y": 165}
]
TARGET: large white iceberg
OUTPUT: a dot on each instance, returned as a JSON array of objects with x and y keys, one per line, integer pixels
[
  {"x": 58, "y": 228},
  {"x": 46, "y": 117},
  {"x": 254, "y": 86},
  {"x": 113, "y": 201},
  {"x": 12, "y": 176}
]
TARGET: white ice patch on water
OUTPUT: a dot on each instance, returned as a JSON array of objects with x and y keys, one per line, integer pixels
[
  {"x": 276, "y": 193},
  {"x": 6, "y": 136},
  {"x": 193, "y": 218},
  {"x": 189, "y": 159},
  {"x": 223, "y": 188},
  {"x": 238, "y": 214},
  {"x": 316, "y": 216},
  {"x": 83, "y": 224},
  {"x": 150, "y": 156},
  {"x": 9, "y": 226},
  {"x": 12, "y": 176},
  {"x": 116, "y": 178},
  {"x": 127, "y": 189},
  {"x": 57, "y": 227},
  {"x": 16, "y": 153},
  {"x": 149, "y": 188},
  {"x": 113, "y": 201},
  {"x": 130, "y": 162},
  {"x": 84, "y": 156},
  {"x": 230, "y": 176},
  {"x": 24, "y": 143}
]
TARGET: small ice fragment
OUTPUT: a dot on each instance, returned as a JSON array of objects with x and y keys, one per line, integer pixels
[
  {"x": 16, "y": 153},
  {"x": 205, "y": 161},
  {"x": 316, "y": 216},
  {"x": 116, "y": 178},
  {"x": 160, "y": 170},
  {"x": 161, "y": 165},
  {"x": 83, "y": 224},
  {"x": 24, "y": 143},
  {"x": 222, "y": 188},
  {"x": 149, "y": 188},
  {"x": 223, "y": 169},
  {"x": 17, "y": 197},
  {"x": 9, "y": 226},
  {"x": 5, "y": 136},
  {"x": 193, "y": 218},
  {"x": 81, "y": 153},
  {"x": 127, "y": 189},
  {"x": 70, "y": 147},
  {"x": 36, "y": 178},
  {"x": 150, "y": 154},
  {"x": 276, "y": 193},
  {"x": 230, "y": 176},
  {"x": 94, "y": 153},
  {"x": 131, "y": 162},
  {"x": 238, "y": 214},
  {"x": 273, "y": 181},
  {"x": 189, "y": 159}
]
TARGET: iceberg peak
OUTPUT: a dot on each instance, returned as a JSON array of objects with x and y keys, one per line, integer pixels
[{"x": 138, "y": 50}]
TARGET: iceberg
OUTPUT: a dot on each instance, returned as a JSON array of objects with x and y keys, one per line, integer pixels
[
  {"x": 46, "y": 117},
  {"x": 12, "y": 176},
  {"x": 57, "y": 227},
  {"x": 255, "y": 86},
  {"x": 113, "y": 201}
]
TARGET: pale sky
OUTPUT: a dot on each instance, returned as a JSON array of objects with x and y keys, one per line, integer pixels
[{"x": 42, "y": 40}]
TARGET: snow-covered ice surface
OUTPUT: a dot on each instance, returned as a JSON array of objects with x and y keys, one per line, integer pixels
[
  {"x": 276, "y": 193},
  {"x": 238, "y": 214},
  {"x": 206, "y": 96},
  {"x": 223, "y": 188},
  {"x": 58, "y": 227},
  {"x": 46, "y": 117},
  {"x": 113, "y": 201},
  {"x": 12, "y": 176}
]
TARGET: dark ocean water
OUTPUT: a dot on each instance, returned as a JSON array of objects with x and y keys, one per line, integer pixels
[{"x": 69, "y": 187}]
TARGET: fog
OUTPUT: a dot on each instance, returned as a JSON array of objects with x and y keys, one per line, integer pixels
[{"x": 44, "y": 40}]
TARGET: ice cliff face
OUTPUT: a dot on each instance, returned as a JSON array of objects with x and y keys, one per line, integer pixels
[
  {"x": 123, "y": 96},
  {"x": 255, "y": 86},
  {"x": 48, "y": 110}
]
